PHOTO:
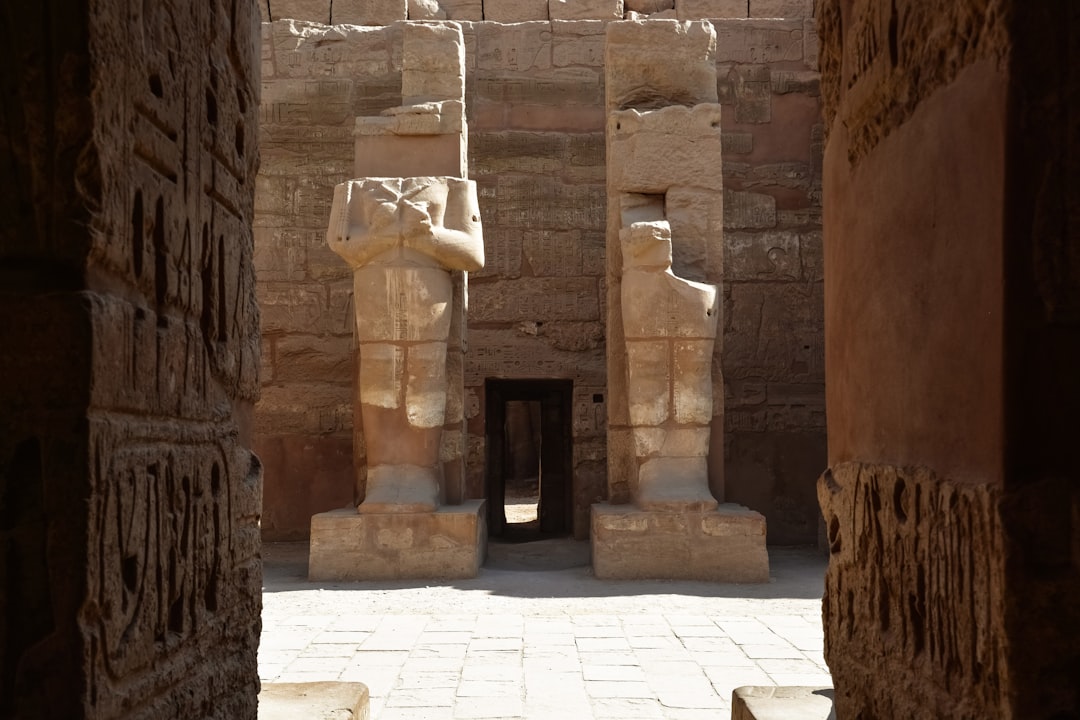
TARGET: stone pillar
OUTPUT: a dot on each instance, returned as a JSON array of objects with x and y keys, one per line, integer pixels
[
  {"x": 410, "y": 229},
  {"x": 130, "y": 576},
  {"x": 952, "y": 296},
  {"x": 665, "y": 214}
]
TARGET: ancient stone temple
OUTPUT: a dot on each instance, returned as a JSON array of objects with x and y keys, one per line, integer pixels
[
  {"x": 527, "y": 120},
  {"x": 131, "y": 371}
]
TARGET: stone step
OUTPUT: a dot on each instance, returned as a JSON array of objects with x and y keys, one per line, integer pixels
[
  {"x": 314, "y": 701},
  {"x": 782, "y": 703}
]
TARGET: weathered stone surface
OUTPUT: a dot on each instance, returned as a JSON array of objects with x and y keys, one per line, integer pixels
[
  {"x": 296, "y": 358},
  {"x": 883, "y": 88},
  {"x": 433, "y": 63},
  {"x": 698, "y": 9},
  {"x": 307, "y": 10},
  {"x": 313, "y": 474},
  {"x": 774, "y": 256},
  {"x": 432, "y": 219},
  {"x": 585, "y": 9},
  {"x": 696, "y": 219},
  {"x": 368, "y": 12},
  {"x": 781, "y": 8},
  {"x": 722, "y": 545},
  {"x": 445, "y": 544},
  {"x": 311, "y": 407},
  {"x": 913, "y": 597},
  {"x": 661, "y": 329},
  {"x": 531, "y": 298},
  {"x": 764, "y": 465},
  {"x": 426, "y": 10},
  {"x": 538, "y": 202},
  {"x": 578, "y": 43},
  {"x": 523, "y": 47},
  {"x": 758, "y": 41},
  {"x": 411, "y": 155},
  {"x": 981, "y": 545},
  {"x": 753, "y": 94},
  {"x": 660, "y": 62},
  {"x": 669, "y": 326},
  {"x": 748, "y": 210},
  {"x": 515, "y": 11},
  {"x": 130, "y": 575},
  {"x": 648, "y": 7},
  {"x": 402, "y": 235},
  {"x": 536, "y": 109},
  {"x": 314, "y": 701},
  {"x": 653, "y": 150},
  {"x": 492, "y": 353},
  {"x": 782, "y": 703},
  {"x": 655, "y": 303},
  {"x": 463, "y": 10}
]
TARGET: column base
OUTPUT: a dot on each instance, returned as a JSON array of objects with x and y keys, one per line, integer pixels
[
  {"x": 722, "y": 545},
  {"x": 448, "y": 543}
]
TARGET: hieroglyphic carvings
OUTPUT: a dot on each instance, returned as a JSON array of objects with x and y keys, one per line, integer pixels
[
  {"x": 912, "y": 595},
  {"x": 173, "y": 575},
  {"x": 889, "y": 59}
]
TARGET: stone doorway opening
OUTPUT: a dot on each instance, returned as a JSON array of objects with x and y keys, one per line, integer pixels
[{"x": 528, "y": 463}]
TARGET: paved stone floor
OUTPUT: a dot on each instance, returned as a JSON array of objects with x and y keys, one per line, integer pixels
[{"x": 526, "y": 641}]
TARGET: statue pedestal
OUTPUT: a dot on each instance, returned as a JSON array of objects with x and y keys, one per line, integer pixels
[
  {"x": 445, "y": 544},
  {"x": 722, "y": 545}
]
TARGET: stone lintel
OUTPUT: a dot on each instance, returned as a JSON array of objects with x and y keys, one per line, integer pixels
[
  {"x": 722, "y": 545},
  {"x": 782, "y": 703},
  {"x": 314, "y": 701},
  {"x": 448, "y": 543}
]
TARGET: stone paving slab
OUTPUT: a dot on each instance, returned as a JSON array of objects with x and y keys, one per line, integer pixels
[{"x": 545, "y": 644}]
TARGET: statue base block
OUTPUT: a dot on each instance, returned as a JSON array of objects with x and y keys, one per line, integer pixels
[
  {"x": 722, "y": 545},
  {"x": 448, "y": 543}
]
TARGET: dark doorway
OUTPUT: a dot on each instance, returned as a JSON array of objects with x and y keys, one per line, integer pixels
[{"x": 528, "y": 435}]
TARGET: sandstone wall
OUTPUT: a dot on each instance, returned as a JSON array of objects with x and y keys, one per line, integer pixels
[
  {"x": 535, "y": 105},
  {"x": 950, "y": 502},
  {"x": 130, "y": 577},
  {"x": 384, "y": 12}
]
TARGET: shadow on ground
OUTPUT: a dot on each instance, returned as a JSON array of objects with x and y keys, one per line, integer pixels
[{"x": 559, "y": 567}]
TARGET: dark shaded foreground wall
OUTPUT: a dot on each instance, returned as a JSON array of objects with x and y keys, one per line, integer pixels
[
  {"x": 129, "y": 546},
  {"x": 952, "y": 307}
]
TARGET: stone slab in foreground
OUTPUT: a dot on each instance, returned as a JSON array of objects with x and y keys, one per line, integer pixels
[
  {"x": 314, "y": 701},
  {"x": 782, "y": 703}
]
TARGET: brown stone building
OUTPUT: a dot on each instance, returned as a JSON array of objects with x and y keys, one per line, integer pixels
[{"x": 129, "y": 339}]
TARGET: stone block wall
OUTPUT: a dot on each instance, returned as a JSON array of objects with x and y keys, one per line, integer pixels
[
  {"x": 129, "y": 500},
  {"x": 535, "y": 105},
  {"x": 384, "y": 12}
]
